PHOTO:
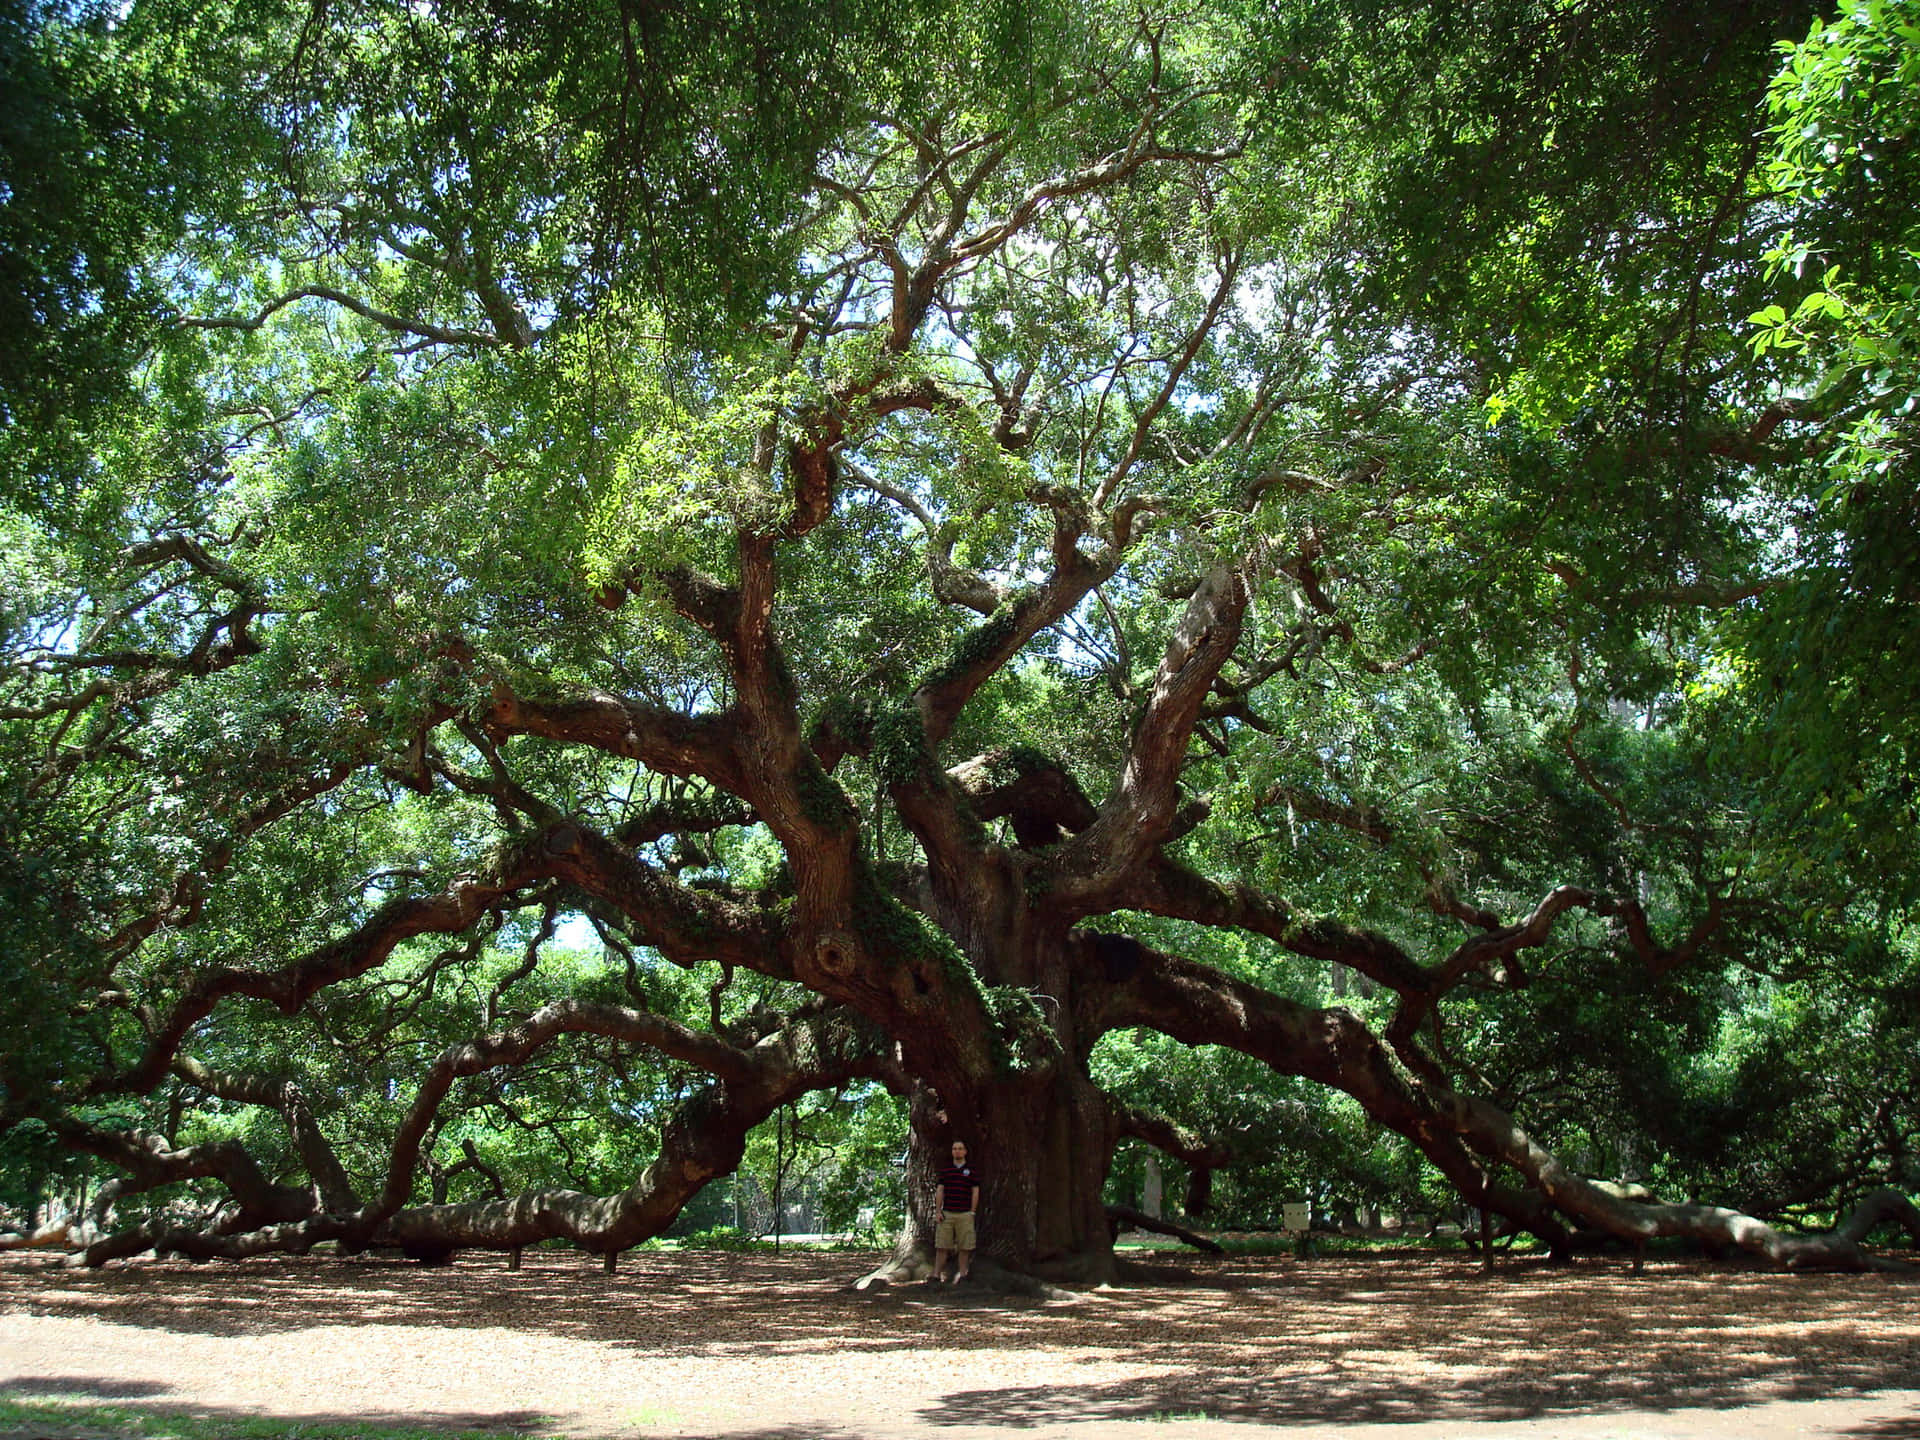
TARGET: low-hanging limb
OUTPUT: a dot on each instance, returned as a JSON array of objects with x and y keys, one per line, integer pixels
[
  {"x": 1200, "y": 1005},
  {"x": 1842, "y": 1248},
  {"x": 684, "y": 924},
  {"x": 1202, "y": 1154},
  {"x": 1165, "y": 887},
  {"x": 367, "y": 946},
  {"x": 148, "y": 1161},
  {"x": 1165, "y": 1135},
  {"x": 1125, "y": 1215},
  {"x": 705, "y": 1139}
]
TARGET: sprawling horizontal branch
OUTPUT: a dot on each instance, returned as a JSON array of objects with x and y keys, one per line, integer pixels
[
  {"x": 1170, "y": 889},
  {"x": 511, "y": 1047},
  {"x": 705, "y": 1139},
  {"x": 1165, "y": 1135},
  {"x": 662, "y": 740},
  {"x": 1166, "y": 888},
  {"x": 367, "y": 946},
  {"x": 685, "y": 924},
  {"x": 1200, "y": 1005},
  {"x": 1128, "y": 984},
  {"x": 744, "y": 929},
  {"x": 683, "y": 815},
  {"x": 1140, "y": 1220},
  {"x": 422, "y": 329},
  {"x": 1494, "y": 1132},
  {"x": 148, "y": 1161}
]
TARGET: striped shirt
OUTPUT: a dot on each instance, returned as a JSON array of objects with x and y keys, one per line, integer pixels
[{"x": 957, "y": 1184}]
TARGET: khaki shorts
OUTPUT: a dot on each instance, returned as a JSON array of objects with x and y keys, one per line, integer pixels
[{"x": 955, "y": 1231}]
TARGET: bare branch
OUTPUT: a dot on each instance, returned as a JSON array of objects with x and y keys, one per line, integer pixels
[
  {"x": 438, "y": 334},
  {"x": 1229, "y": 274}
]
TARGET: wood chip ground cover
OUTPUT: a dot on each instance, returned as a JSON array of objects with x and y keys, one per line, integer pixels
[{"x": 776, "y": 1348}]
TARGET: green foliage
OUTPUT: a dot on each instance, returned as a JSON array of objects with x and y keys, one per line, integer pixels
[{"x": 1563, "y": 428}]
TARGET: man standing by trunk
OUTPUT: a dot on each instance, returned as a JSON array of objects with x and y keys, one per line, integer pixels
[{"x": 959, "y": 1203}]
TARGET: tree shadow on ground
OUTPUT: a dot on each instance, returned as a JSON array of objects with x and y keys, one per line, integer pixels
[
  {"x": 109, "y": 1419},
  {"x": 1524, "y": 1387},
  {"x": 94, "y": 1422},
  {"x": 97, "y": 1388},
  {"x": 1272, "y": 1339}
]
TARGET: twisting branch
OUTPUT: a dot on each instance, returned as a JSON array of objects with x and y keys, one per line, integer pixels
[
  {"x": 684, "y": 924},
  {"x": 1113, "y": 168},
  {"x": 514, "y": 1046},
  {"x": 438, "y": 334},
  {"x": 150, "y": 1161},
  {"x": 1041, "y": 798},
  {"x": 704, "y": 1139},
  {"x": 1118, "y": 1215},
  {"x": 1143, "y": 426},
  {"x": 1126, "y": 984},
  {"x": 366, "y": 947},
  {"x": 1171, "y": 889},
  {"x": 529, "y": 960},
  {"x": 988, "y": 646},
  {"x": 952, "y": 584},
  {"x": 1305, "y": 804},
  {"x": 687, "y": 813},
  {"x": 184, "y": 898},
  {"x": 1163, "y": 1134},
  {"x": 331, "y": 1184},
  {"x": 1493, "y": 1132},
  {"x": 1139, "y": 814},
  {"x": 661, "y": 739}
]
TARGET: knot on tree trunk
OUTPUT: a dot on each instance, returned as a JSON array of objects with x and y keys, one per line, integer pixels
[
  {"x": 564, "y": 840},
  {"x": 837, "y": 953}
]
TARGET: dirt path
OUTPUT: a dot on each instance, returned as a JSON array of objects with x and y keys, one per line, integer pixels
[{"x": 750, "y": 1346}]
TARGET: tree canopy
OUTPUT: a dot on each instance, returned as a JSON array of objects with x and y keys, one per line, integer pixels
[{"x": 1328, "y": 589}]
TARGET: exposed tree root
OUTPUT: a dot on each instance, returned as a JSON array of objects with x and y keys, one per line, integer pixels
[
  {"x": 913, "y": 1265},
  {"x": 908, "y": 1265}
]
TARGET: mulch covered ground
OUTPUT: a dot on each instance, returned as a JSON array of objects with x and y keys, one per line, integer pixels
[{"x": 707, "y": 1343}]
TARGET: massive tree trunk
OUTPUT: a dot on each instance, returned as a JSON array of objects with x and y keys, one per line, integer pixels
[{"x": 1044, "y": 1149}]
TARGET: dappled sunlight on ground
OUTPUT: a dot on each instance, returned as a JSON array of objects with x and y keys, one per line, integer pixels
[{"x": 712, "y": 1342}]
